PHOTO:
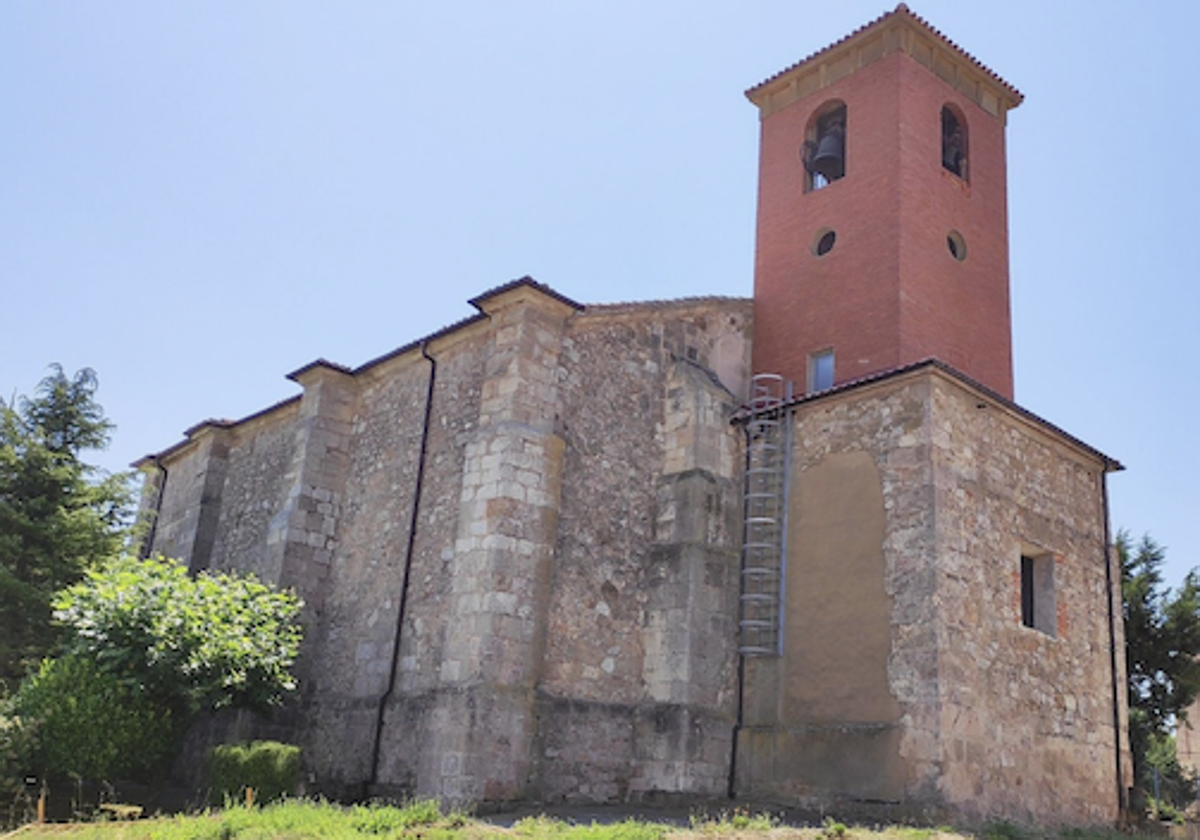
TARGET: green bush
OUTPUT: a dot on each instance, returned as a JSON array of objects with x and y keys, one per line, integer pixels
[
  {"x": 270, "y": 768},
  {"x": 18, "y": 739},
  {"x": 214, "y": 641},
  {"x": 90, "y": 725}
]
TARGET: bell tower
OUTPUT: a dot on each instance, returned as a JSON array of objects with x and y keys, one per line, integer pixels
[{"x": 882, "y": 211}]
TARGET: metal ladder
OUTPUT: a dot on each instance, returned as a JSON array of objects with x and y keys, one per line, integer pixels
[{"x": 765, "y": 510}]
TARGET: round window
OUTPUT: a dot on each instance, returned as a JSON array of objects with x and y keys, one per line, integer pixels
[
  {"x": 824, "y": 242},
  {"x": 956, "y": 245}
]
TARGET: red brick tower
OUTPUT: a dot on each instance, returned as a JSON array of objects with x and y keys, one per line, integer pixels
[{"x": 882, "y": 210}]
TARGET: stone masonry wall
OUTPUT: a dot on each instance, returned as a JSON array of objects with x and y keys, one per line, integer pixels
[
  {"x": 569, "y": 627},
  {"x": 992, "y": 719},
  {"x": 638, "y": 691},
  {"x": 1026, "y": 714},
  {"x": 351, "y": 654},
  {"x": 570, "y": 615},
  {"x": 405, "y": 754},
  {"x": 252, "y": 494}
]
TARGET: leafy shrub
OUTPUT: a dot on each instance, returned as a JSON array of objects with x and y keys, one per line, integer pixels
[
  {"x": 214, "y": 641},
  {"x": 90, "y": 725},
  {"x": 270, "y": 768},
  {"x": 18, "y": 739}
]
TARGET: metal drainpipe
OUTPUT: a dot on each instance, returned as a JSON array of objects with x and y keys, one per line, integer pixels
[
  {"x": 408, "y": 559},
  {"x": 741, "y": 666},
  {"x": 148, "y": 543},
  {"x": 1122, "y": 805}
]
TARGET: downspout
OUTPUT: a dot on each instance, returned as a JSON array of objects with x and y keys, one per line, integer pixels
[
  {"x": 148, "y": 543},
  {"x": 1122, "y": 805},
  {"x": 408, "y": 561},
  {"x": 739, "y": 718}
]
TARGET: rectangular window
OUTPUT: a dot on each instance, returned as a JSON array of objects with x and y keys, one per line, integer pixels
[
  {"x": 1039, "y": 610},
  {"x": 820, "y": 371}
]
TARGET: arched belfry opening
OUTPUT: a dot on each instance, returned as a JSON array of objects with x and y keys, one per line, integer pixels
[
  {"x": 824, "y": 149},
  {"x": 954, "y": 141}
]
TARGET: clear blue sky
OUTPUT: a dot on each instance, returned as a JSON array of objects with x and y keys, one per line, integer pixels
[{"x": 198, "y": 197}]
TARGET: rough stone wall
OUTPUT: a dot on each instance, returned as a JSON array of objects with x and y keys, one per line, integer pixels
[
  {"x": 569, "y": 624},
  {"x": 638, "y": 683},
  {"x": 503, "y": 553},
  {"x": 351, "y": 654},
  {"x": 165, "y": 503},
  {"x": 968, "y": 711},
  {"x": 406, "y": 756},
  {"x": 1026, "y": 715},
  {"x": 253, "y": 493},
  {"x": 302, "y": 537},
  {"x": 569, "y": 627},
  {"x": 183, "y": 522}
]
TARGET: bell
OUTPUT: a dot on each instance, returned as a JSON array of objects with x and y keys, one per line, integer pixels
[{"x": 827, "y": 160}]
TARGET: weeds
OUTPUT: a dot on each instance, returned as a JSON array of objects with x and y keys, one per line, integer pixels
[
  {"x": 1003, "y": 831},
  {"x": 425, "y": 820},
  {"x": 831, "y": 829},
  {"x": 546, "y": 828},
  {"x": 728, "y": 822}
]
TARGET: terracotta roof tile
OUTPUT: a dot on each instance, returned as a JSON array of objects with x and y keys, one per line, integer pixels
[{"x": 903, "y": 11}]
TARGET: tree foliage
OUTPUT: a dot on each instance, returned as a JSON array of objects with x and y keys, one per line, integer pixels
[
  {"x": 58, "y": 515},
  {"x": 1162, "y": 643},
  {"x": 216, "y": 640},
  {"x": 87, "y": 724}
]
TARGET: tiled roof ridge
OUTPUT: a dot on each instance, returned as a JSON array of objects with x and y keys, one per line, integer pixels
[
  {"x": 664, "y": 302},
  {"x": 901, "y": 9}
]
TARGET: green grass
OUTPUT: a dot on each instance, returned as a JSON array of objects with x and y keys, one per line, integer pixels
[
  {"x": 424, "y": 820},
  {"x": 545, "y": 828},
  {"x": 291, "y": 820}
]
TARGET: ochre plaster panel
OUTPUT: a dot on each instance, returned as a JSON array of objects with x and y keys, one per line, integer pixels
[{"x": 837, "y": 612}]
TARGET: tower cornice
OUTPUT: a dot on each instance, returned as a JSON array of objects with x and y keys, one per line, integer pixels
[{"x": 900, "y": 30}]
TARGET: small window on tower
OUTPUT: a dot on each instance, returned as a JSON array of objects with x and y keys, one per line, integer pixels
[
  {"x": 954, "y": 142},
  {"x": 1039, "y": 610},
  {"x": 820, "y": 371},
  {"x": 824, "y": 150}
]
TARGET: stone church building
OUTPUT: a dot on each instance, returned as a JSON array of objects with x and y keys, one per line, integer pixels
[{"x": 800, "y": 548}]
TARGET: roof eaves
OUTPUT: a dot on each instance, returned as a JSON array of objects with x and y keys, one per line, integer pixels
[
  {"x": 419, "y": 343},
  {"x": 660, "y": 303},
  {"x": 190, "y": 433},
  {"x": 1110, "y": 464},
  {"x": 318, "y": 363},
  {"x": 901, "y": 10},
  {"x": 525, "y": 281},
  {"x": 477, "y": 302}
]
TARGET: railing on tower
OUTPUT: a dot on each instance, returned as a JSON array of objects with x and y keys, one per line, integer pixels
[{"x": 763, "y": 562}]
